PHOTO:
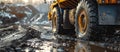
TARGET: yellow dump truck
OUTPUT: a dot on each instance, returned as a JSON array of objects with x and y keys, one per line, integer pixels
[{"x": 86, "y": 17}]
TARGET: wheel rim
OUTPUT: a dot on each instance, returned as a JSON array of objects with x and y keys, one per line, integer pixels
[
  {"x": 54, "y": 23},
  {"x": 82, "y": 21}
]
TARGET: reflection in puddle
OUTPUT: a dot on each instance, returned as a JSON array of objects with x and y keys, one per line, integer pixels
[{"x": 75, "y": 45}]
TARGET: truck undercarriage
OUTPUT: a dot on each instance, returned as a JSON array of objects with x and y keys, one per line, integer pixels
[{"x": 91, "y": 20}]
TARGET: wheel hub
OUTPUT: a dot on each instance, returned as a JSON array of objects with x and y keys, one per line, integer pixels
[
  {"x": 54, "y": 23},
  {"x": 82, "y": 21}
]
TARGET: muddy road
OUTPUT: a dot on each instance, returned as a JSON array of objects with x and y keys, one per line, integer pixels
[{"x": 39, "y": 38}]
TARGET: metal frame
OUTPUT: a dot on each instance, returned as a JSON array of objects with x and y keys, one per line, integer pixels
[{"x": 109, "y": 14}]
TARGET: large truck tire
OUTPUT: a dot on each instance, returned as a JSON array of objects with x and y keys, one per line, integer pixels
[
  {"x": 57, "y": 21},
  {"x": 86, "y": 19}
]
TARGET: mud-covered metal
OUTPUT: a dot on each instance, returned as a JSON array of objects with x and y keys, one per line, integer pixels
[
  {"x": 108, "y": 1},
  {"x": 109, "y": 14}
]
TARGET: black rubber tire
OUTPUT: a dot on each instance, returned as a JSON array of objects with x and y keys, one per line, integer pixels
[
  {"x": 57, "y": 20},
  {"x": 92, "y": 13}
]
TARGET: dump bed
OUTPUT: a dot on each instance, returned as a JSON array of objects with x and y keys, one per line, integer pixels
[
  {"x": 68, "y": 3},
  {"x": 73, "y": 3}
]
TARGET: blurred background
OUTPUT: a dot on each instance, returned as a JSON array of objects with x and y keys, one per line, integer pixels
[
  {"x": 24, "y": 11},
  {"x": 27, "y": 1}
]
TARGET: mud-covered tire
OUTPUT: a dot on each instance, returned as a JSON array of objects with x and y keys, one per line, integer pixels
[
  {"x": 57, "y": 21},
  {"x": 80, "y": 47},
  {"x": 89, "y": 8}
]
